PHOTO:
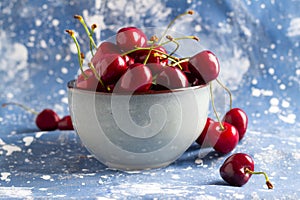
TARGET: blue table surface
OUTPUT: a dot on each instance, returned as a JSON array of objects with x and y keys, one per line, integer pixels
[{"x": 257, "y": 43}]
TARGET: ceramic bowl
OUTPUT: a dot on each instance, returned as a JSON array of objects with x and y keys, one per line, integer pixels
[{"x": 140, "y": 131}]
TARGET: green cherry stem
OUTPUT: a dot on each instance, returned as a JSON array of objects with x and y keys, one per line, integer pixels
[
  {"x": 268, "y": 182},
  {"x": 90, "y": 34},
  {"x": 93, "y": 27},
  {"x": 72, "y": 34},
  {"x": 189, "y": 12},
  {"x": 227, "y": 90},
  {"x": 22, "y": 106},
  {"x": 213, "y": 105},
  {"x": 91, "y": 66}
]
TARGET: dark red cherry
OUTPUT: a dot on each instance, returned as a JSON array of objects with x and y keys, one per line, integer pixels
[
  {"x": 202, "y": 140},
  {"x": 129, "y": 60},
  {"x": 158, "y": 55},
  {"x": 238, "y": 118},
  {"x": 65, "y": 123},
  {"x": 111, "y": 67},
  {"x": 128, "y": 38},
  {"x": 47, "y": 120},
  {"x": 171, "y": 78},
  {"x": 204, "y": 66},
  {"x": 155, "y": 68},
  {"x": 103, "y": 49},
  {"x": 233, "y": 169},
  {"x": 137, "y": 78},
  {"x": 90, "y": 83},
  {"x": 223, "y": 140}
]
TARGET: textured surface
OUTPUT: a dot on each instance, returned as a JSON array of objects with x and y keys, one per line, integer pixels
[{"x": 257, "y": 43}]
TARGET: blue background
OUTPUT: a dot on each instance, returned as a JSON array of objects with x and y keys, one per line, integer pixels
[{"x": 257, "y": 43}]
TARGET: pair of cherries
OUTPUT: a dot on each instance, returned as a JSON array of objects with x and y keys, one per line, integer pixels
[{"x": 47, "y": 119}]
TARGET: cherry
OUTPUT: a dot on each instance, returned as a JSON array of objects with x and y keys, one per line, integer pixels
[
  {"x": 103, "y": 49},
  {"x": 238, "y": 168},
  {"x": 202, "y": 139},
  {"x": 157, "y": 55},
  {"x": 128, "y": 38},
  {"x": 90, "y": 83},
  {"x": 111, "y": 67},
  {"x": 155, "y": 68},
  {"x": 204, "y": 66},
  {"x": 222, "y": 138},
  {"x": 129, "y": 60},
  {"x": 65, "y": 123},
  {"x": 47, "y": 120},
  {"x": 238, "y": 118},
  {"x": 171, "y": 78},
  {"x": 138, "y": 78}
]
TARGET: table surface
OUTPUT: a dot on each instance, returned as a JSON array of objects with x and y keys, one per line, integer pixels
[{"x": 257, "y": 43}]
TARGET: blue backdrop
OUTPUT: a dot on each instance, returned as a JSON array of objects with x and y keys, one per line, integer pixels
[{"x": 257, "y": 43}]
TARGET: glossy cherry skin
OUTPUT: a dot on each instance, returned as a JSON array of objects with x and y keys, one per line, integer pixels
[
  {"x": 204, "y": 66},
  {"x": 103, "y": 49},
  {"x": 171, "y": 78},
  {"x": 138, "y": 78},
  {"x": 155, "y": 68},
  {"x": 91, "y": 83},
  {"x": 233, "y": 169},
  {"x": 65, "y": 123},
  {"x": 223, "y": 141},
  {"x": 47, "y": 120},
  {"x": 128, "y": 38},
  {"x": 238, "y": 118},
  {"x": 111, "y": 67},
  {"x": 202, "y": 140},
  {"x": 156, "y": 56}
]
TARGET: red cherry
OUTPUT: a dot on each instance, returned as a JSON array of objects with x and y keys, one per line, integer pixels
[
  {"x": 154, "y": 57},
  {"x": 138, "y": 78},
  {"x": 202, "y": 140},
  {"x": 204, "y": 66},
  {"x": 171, "y": 78},
  {"x": 155, "y": 68},
  {"x": 233, "y": 169},
  {"x": 47, "y": 120},
  {"x": 65, "y": 123},
  {"x": 103, "y": 49},
  {"x": 128, "y": 38},
  {"x": 110, "y": 68},
  {"x": 129, "y": 60},
  {"x": 238, "y": 168},
  {"x": 238, "y": 118},
  {"x": 223, "y": 140},
  {"x": 91, "y": 83}
]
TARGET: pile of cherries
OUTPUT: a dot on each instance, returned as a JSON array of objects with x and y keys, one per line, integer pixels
[{"x": 136, "y": 63}]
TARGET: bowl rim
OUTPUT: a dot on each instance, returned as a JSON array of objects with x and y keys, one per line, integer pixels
[{"x": 71, "y": 86}]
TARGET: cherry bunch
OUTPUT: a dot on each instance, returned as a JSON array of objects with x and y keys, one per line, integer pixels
[
  {"x": 47, "y": 119},
  {"x": 136, "y": 63}
]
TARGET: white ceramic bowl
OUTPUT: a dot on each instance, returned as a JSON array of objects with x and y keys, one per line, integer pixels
[
  {"x": 141, "y": 131},
  {"x": 138, "y": 131}
]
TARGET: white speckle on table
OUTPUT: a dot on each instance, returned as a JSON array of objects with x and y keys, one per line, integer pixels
[
  {"x": 46, "y": 177},
  {"x": 175, "y": 176},
  {"x": 5, "y": 176},
  {"x": 16, "y": 192},
  {"x": 28, "y": 140},
  {"x": 11, "y": 149}
]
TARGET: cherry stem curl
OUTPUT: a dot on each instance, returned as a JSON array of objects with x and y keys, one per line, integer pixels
[
  {"x": 22, "y": 106},
  {"x": 227, "y": 90},
  {"x": 268, "y": 182}
]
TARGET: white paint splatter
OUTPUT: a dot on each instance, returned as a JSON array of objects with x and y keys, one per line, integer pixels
[
  {"x": 5, "y": 176},
  {"x": 294, "y": 28},
  {"x": 46, "y": 177},
  {"x": 28, "y": 140},
  {"x": 11, "y": 149},
  {"x": 16, "y": 192}
]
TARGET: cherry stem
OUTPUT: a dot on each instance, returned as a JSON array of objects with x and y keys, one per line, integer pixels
[
  {"x": 22, "y": 106},
  {"x": 93, "y": 27},
  {"x": 189, "y": 12},
  {"x": 90, "y": 34},
  {"x": 214, "y": 108},
  {"x": 268, "y": 182},
  {"x": 72, "y": 34},
  {"x": 91, "y": 66},
  {"x": 179, "y": 62},
  {"x": 174, "y": 41},
  {"x": 227, "y": 90}
]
